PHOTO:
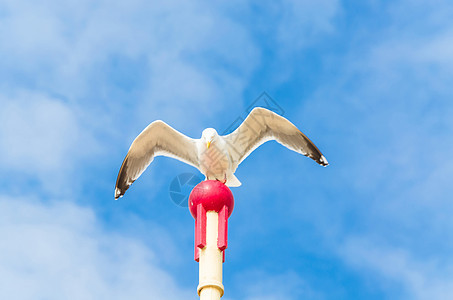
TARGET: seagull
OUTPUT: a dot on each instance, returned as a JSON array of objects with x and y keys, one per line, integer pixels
[{"x": 215, "y": 156}]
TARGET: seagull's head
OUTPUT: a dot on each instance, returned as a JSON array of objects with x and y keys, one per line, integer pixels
[{"x": 208, "y": 136}]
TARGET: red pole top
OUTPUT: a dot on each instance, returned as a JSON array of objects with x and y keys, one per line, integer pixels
[{"x": 213, "y": 195}]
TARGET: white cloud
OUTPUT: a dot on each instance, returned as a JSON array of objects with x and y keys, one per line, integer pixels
[
  {"x": 303, "y": 21},
  {"x": 393, "y": 98},
  {"x": 185, "y": 59},
  {"x": 438, "y": 50},
  {"x": 182, "y": 45},
  {"x": 177, "y": 56},
  {"x": 192, "y": 53},
  {"x": 420, "y": 278},
  {"x": 258, "y": 284},
  {"x": 42, "y": 138},
  {"x": 37, "y": 133},
  {"x": 388, "y": 124},
  {"x": 58, "y": 250}
]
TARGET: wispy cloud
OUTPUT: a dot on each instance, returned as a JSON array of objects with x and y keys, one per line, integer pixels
[
  {"x": 416, "y": 278},
  {"x": 257, "y": 284},
  {"x": 391, "y": 118},
  {"x": 41, "y": 137},
  {"x": 181, "y": 46},
  {"x": 80, "y": 79},
  {"x": 58, "y": 251}
]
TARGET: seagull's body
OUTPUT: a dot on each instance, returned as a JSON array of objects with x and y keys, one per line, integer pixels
[{"x": 217, "y": 157}]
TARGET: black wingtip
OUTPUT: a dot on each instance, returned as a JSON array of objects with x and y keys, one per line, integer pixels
[
  {"x": 118, "y": 193},
  {"x": 323, "y": 161}
]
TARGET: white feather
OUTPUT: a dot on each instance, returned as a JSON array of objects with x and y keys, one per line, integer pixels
[{"x": 217, "y": 157}]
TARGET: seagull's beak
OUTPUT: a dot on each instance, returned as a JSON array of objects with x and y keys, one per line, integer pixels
[{"x": 208, "y": 144}]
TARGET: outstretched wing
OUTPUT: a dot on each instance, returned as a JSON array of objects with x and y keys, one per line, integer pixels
[
  {"x": 156, "y": 139},
  {"x": 263, "y": 125}
]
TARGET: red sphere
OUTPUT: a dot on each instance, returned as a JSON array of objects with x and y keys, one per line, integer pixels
[{"x": 213, "y": 195}]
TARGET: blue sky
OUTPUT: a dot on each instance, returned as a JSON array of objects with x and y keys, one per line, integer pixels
[{"x": 370, "y": 82}]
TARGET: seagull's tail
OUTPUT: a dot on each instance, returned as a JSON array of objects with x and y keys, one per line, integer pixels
[{"x": 232, "y": 181}]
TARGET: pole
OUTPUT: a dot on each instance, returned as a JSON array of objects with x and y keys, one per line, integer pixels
[
  {"x": 210, "y": 285},
  {"x": 211, "y": 203}
]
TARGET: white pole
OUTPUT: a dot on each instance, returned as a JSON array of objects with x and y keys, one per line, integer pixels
[
  {"x": 211, "y": 204},
  {"x": 210, "y": 285}
]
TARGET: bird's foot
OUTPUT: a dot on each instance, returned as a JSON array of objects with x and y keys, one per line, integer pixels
[{"x": 222, "y": 181}]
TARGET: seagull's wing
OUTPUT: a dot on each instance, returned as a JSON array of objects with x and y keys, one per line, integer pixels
[
  {"x": 156, "y": 139},
  {"x": 263, "y": 125}
]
